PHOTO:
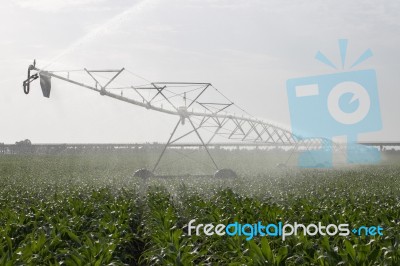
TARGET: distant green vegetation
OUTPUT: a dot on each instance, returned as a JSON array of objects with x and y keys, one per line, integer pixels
[{"x": 88, "y": 210}]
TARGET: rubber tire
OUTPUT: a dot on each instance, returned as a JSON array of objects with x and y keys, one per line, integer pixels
[{"x": 225, "y": 173}]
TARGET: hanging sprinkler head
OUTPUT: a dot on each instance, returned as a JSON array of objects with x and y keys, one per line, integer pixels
[{"x": 45, "y": 80}]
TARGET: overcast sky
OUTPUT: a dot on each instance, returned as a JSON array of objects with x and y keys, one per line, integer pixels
[{"x": 247, "y": 49}]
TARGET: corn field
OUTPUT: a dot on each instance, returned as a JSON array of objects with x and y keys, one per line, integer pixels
[{"x": 90, "y": 210}]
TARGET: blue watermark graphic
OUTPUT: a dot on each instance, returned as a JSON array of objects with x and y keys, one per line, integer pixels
[{"x": 344, "y": 103}]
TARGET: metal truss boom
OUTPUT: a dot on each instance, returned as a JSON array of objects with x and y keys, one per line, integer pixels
[
  {"x": 215, "y": 116},
  {"x": 242, "y": 127}
]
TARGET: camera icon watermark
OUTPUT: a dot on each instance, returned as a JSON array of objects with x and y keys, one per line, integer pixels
[{"x": 344, "y": 103}]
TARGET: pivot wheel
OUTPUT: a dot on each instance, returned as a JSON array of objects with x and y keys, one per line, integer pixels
[
  {"x": 225, "y": 173},
  {"x": 143, "y": 173}
]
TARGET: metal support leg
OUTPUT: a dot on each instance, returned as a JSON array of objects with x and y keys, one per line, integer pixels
[
  {"x": 166, "y": 146},
  {"x": 295, "y": 149},
  {"x": 204, "y": 145}
]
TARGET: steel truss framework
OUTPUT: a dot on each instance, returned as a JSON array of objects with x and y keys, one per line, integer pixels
[{"x": 192, "y": 106}]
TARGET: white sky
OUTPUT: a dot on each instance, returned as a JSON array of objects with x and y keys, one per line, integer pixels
[{"x": 247, "y": 49}]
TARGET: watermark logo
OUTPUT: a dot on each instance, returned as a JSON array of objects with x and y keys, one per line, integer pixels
[
  {"x": 279, "y": 230},
  {"x": 344, "y": 103}
]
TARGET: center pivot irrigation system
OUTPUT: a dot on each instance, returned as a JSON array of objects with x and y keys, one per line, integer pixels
[{"x": 208, "y": 113}]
